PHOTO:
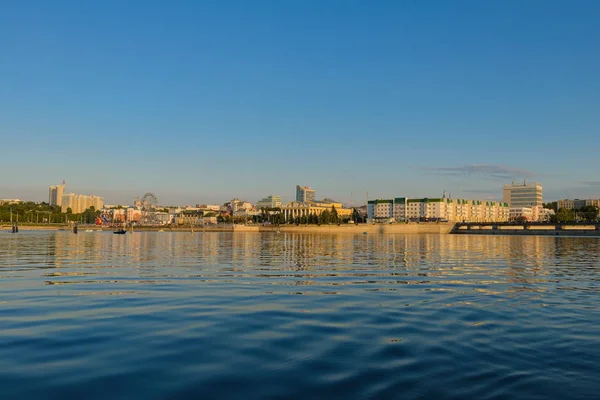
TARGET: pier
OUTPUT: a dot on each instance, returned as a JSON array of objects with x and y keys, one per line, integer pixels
[{"x": 528, "y": 228}]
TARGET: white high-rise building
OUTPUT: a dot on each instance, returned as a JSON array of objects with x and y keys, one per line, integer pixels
[
  {"x": 304, "y": 194},
  {"x": 78, "y": 203},
  {"x": 524, "y": 194},
  {"x": 55, "y": 194}
]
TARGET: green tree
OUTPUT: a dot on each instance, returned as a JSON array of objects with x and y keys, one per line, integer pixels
[
  {"x": 355, "y": 215},
  {"x": 325, "y": 217},
  {"x": 552, "y": 206},
  {"x": 589, "y": 213},
  {"x": 69, "y": 211},
  {"x": 565, "y": 215},
  {"x": 334, "y": 215}
]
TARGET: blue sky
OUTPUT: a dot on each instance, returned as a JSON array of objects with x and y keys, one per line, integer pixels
[{"x": 201, "y": 101}]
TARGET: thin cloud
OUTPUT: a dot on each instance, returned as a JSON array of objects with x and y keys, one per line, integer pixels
[
  {"x": 593, "y": 184},
  {"x": 487, "y": 171}
]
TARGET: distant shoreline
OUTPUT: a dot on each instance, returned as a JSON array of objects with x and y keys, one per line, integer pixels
[{"x": 399, "y": 228}]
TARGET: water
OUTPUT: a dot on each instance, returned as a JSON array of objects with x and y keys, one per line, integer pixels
[{"x": 248, "y": 315}]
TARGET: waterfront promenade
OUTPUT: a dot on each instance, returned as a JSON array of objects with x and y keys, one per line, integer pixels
[{"x": 529, "y": 229}]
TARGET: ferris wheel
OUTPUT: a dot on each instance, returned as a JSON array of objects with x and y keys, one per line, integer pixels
[
  {"x": 149, "y": 201},
  {"x": 148, "y": 204}
]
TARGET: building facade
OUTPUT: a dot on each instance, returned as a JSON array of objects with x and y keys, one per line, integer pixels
[
  {"x": 304, "y": 209},
  {"x": 304, "y": 194},
  {"x": 55, "y": 195},
  {"x": 437, "y": 209},
  {"x": 524, "y": 194},
  {"x": 577, "y": 203},
  {"x": 78, "y": 203},
  {"x": 380, "y": 209},
  {"x": 269, "y": 202}
]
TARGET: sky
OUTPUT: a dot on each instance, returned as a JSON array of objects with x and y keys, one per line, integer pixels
[{"x": 203, "y": 101}]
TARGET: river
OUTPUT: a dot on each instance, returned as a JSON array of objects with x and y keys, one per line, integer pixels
[{"x": 295, "y": 315}]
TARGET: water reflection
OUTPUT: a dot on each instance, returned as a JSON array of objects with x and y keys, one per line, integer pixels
[
  {"x": 278, "y": 315},
  {"x": 510, "y": 259}
]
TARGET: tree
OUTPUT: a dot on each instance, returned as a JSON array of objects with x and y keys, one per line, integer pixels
[
  {"x": 334, "y": 215},
  {"x": 551, "y": 206},
  {"x": 69, "y": 211},
  {"x": 565, "y": 215},
  {"x": 325, "y": 217},
  {"x": 590, "y": 213},
  {"x": 355, "y": 215}
]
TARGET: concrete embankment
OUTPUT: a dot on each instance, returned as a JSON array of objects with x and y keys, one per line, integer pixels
[
  {"x": 434, "y": 228},
  {"x": 529, "y": 230},
  {"x": 437, "y": 228}
]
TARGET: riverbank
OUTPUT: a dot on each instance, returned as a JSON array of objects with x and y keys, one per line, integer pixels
[{"x": 435, "y": 228}]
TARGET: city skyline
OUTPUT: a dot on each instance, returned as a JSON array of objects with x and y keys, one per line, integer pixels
[{"x": 205, "y": 102}]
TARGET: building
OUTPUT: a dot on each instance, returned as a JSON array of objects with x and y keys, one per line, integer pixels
[
  {"x": 189, "y": 217},
  {"x": 437, "y": 209},
  {"x": 542, "y": 214},
  {"x": 211, "y": 207},
  {"x": 55, "y": 195},
  {"x": 9, "y": 201},
  {"x": 304, "y": 209},
  {"x": 237, "y": 205},
  {"x": 576, "y": 203},
  {"x": 517, "y": 213},
  {"x": 524, "y": 194},
  {"x": 304, "y": 194},
  {"x": 269, "y": 202},
  {"x": 78, "y": 203},
  {"x": 380, "y": 209}
]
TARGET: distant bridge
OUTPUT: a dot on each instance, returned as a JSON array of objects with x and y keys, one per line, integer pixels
[{"x": 528, "y": 228}]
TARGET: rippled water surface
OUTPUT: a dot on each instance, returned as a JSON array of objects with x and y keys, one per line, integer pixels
[{"x": 249, "y": 315}]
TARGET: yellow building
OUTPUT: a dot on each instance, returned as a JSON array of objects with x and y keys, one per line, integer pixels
[
  {"x": 78, "y": 203},
  {"x": 304, "y": 209}
]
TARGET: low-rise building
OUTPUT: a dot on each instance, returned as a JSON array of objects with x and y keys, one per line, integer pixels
[
  {"x": 269, "y": 202},
  {"x": 517, "y": 213},
  {"x": 542, "y": 214},
  {"x": 380, "y": 209},
  {"x": 9, "y": 201},
  {"x": 437, "y": 209},
  {"x": 577, "y": 203},
  {"x": 306, "y": 208},
  {"x": 211, "y": 207}
]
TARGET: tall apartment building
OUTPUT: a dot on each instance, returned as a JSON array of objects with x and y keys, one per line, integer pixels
[
  {"x": 577, "y": 203},
  {"x": 304, "y": 194},
  {"x": 269, "y": 202},
  {"x": 444, "y": 209},
  {"x": 78, "y": 203},
  {"x": 523, "y": 194},
  {"x": 55, "y": 194}
]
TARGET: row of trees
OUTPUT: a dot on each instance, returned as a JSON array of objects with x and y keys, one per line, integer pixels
[
  {"x": 277, "y": 217},
  {"x": 31, "y": 212},
  {"x": 587, "y": 214}
]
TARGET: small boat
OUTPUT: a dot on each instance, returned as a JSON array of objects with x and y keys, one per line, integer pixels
[
  {"x": 120, "y": 231},
  {"x": 89, "y": 230}
]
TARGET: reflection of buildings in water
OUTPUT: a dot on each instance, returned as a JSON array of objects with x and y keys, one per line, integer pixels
[
  {"x": 303, "y": 251},
  {"x": 209, "y": 248},
  {"x": 245, "y": 248},
  {"x": 72, "y": 250}
]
